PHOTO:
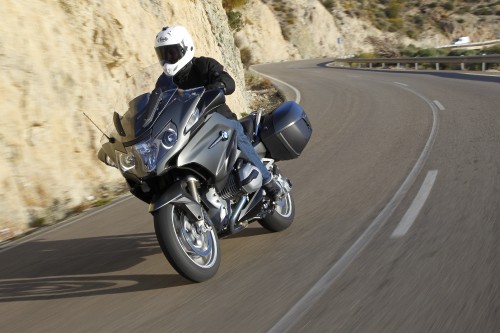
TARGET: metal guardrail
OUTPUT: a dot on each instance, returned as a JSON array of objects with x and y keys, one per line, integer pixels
[{"x": 478, "y": 59}]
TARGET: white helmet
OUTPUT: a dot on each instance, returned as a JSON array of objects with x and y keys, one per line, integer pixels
[{"x": 174, "y": 48}]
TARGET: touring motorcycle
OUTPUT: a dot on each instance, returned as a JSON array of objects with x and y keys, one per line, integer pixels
[{"x": 181, "y": 157}]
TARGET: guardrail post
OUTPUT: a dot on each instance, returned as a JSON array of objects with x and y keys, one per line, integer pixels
[
  {"x": 370, "y": 65},
  {"x": 416, "y": 66},
  {"x": 462, "y": 66},
  {"x": 383, "y": 65},
  {"x": 437, "y": 66},
  {"x": 483, "y": 66}
]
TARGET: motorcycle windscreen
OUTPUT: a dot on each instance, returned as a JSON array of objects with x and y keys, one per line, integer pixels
[{"x": 142, "y": 113}]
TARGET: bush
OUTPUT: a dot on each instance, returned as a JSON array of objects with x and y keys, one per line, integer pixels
[
  {"x": 418, "y": 19},
  {"x": 328, "y": 4},
  {"x": 396, "y": 24},
  {"x": 463, "y": 10},
  {"x": 246, "y": 57},
  {"x": 430, "y": 53},
  {"x": 483, "y": 11},
  {"x": 448, "y": 6},
  {"x": 393, "y": 9},
  {"x": 495, "y": 49},
  {"x": 412, "y": 34},
  {"x": 234, "y": 19},
  {"x": 408, "y": 51},
  {"x": 232, "y": 4}
]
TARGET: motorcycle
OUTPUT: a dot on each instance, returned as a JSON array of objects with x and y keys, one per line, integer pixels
[{"x": 180, "y": 156}]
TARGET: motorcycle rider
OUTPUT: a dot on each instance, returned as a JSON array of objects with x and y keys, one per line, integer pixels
[{"x": 175, "y": 50}]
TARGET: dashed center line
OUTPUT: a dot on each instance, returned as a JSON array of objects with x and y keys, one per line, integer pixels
[{"x": 417, "y": 204}]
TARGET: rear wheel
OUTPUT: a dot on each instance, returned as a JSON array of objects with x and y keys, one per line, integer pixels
[
  {"x": 191, "y": 247},
  {"x": 283, "y": 215}
]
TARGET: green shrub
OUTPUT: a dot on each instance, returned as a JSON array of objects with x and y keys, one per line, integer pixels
[
  {"x": 235, "y": 21},
  {"x": 448, "y": 6},
  {"x": 418, "y": 19},
  {"x": 430, "y": 53},
  {"x": 395, "y": 24},
  {"x": 366, "y": 56},
  {"x": 329, "y": 4},
  {"x": 495, "y": 49},
  {"x": 412, "y": 34},
  {"x": 408, "y": 51},
  {"x": 483, "y": 11},
  {"x": 246, "y": 57},
  {"x": 463, "y": 10},
  {"x": 232, "y": 4},
  {"x": 393, "y": 9}
]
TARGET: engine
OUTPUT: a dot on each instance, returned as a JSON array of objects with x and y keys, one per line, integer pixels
[{"x": 244, "y": 180}]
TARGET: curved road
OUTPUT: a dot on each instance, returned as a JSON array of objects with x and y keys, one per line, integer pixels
[{"x": 397, "y": 228}]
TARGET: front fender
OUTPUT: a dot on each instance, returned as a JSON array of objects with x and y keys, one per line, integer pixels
[{"x": 177, "y": 195}]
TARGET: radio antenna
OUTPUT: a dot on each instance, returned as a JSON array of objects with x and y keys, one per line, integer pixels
[{"x": 110, "y": 139}]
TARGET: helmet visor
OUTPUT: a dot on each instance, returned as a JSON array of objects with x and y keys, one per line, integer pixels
[{"x": 169, "y": 54}]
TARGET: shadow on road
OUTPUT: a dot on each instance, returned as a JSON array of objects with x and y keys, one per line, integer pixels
[{"x": 42, "y": 269}]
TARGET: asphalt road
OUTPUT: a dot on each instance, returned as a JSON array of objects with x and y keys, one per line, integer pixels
[{"x": 396, "y": 229}]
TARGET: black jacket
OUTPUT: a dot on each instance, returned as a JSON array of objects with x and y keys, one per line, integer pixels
[{"x": 203, "y": 71}]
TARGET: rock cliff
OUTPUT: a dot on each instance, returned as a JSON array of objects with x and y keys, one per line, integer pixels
[{"x": 62, "y": 58}]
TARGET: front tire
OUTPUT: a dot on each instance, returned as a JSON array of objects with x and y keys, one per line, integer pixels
[
  {"x": 283, "y": 215},
  {"x": 192, "y": 251}
]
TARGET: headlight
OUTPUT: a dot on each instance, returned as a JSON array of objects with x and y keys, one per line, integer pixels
[
  {"x": 142, "y": 158},
  {"x": 148, "y": 151},
  {"x": 195, "y": 116},
  {"x": 169, "y": 137},
  {"x": 126, "y": 161}
]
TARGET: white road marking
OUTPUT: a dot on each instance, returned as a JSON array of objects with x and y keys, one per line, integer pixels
[
  {"x": 295, "y": 90},
  {"x": 401, "y": 84},
  {"x": 417, "y": 204},
  {"x": 439, "y": 105},
  {"x": 63, "y": 224},
  {"x": 303, "y": 305}
]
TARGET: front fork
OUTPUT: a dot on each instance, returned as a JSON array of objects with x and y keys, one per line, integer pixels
[{"x": 192, "y": 186}]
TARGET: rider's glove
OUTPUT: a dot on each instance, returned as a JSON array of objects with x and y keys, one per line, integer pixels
[{"x": 216, "y": 85}]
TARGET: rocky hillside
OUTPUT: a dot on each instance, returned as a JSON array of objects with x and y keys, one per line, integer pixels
[
  {"x": 64, "y": 57},
  {"x": 273, "y": 30}
]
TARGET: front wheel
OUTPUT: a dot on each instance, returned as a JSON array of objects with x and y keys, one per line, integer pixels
[
  {"x": 192, "y": 248},
  {"x": 282, "y": 217}
]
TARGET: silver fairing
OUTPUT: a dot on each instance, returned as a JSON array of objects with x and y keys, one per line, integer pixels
[{"x": 213, "y": 147}]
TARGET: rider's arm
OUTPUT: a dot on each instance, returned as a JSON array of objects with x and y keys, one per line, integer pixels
[{"x": 218, "y": 77}]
